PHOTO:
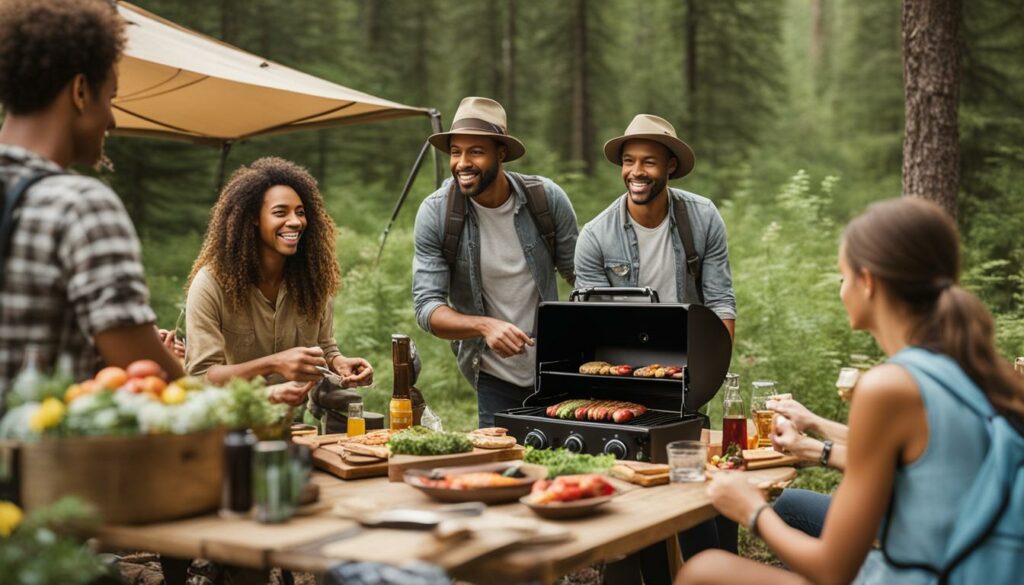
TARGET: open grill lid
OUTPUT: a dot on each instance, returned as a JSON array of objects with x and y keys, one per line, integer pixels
[{"x": 638, "y": 334}]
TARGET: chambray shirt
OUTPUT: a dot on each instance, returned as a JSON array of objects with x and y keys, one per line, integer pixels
[
  {"x": 608, "y": 254},
  {"x": 434, "y": 285}
]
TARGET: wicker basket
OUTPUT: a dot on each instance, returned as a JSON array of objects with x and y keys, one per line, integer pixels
[{"x": 131, "y": 480}]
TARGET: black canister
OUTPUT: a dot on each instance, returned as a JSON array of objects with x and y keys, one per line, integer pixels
[{"x": 236, "y": 494}]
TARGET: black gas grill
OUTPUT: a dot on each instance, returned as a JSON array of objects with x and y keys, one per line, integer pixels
[{"x": 619, "y": 330}]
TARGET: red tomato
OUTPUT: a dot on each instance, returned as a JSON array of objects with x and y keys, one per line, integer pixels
[{"x": 143, "y": 368}]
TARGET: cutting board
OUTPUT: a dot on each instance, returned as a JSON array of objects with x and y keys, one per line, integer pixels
[
  {"x": 777, "y": 462},
  {"x": 399, "y": 464},
  {"x": 328, "y": 458}
]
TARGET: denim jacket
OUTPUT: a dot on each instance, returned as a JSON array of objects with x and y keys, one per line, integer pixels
[
  {"x": 434, "y": 285},
  {"x": 608, "y": 254}
]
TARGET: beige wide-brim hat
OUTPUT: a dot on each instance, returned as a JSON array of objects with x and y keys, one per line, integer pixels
[
  {"x": 650, "y": 127},
  {"x": 480, "y": 117}
]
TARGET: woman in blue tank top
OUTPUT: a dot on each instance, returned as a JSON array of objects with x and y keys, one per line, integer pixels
[{"x": 912, "y": 451}]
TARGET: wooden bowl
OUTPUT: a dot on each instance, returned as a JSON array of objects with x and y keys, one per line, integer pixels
[
  {"x": 489, "y": 495},
  {"x": 562, "y": 510}
]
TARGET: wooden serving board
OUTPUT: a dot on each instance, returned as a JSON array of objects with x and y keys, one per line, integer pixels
[
  {"x": 783, "y": 461},
  {"x": 328, "y": 458},
  {"x": 399, "y": 464}
]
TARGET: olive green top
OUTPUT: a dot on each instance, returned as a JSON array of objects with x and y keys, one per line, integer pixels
[{"x": 220, "y": 335}]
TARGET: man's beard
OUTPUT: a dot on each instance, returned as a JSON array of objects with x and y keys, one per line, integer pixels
[
  {"x": 486, "y": 178},
  {"x": 656, "y": 187}
]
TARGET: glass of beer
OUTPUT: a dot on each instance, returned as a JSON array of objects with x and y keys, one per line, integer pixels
[
  {"x": 847, "y": 380},
  {"x": 356, "y": 423},
  {"x": 764, "y": 390}
]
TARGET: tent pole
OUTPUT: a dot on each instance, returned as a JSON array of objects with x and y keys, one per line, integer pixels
[
  {"x": 401, "y": 198},
  {"x": 225, "y": 148},
  {"x": 436, "y": 126}
]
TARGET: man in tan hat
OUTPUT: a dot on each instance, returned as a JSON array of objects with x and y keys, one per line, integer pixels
[
  {"x": 487, "y": 245},
  {"x": 654, "y": 236}
]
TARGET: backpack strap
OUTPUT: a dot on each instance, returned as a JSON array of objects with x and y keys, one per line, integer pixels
[
  {"x": 694, "y": 265},
  {"x": 12, "y": 200},
  {"x": 537, "y": 203},
  {"x": 454, "y": 219}
]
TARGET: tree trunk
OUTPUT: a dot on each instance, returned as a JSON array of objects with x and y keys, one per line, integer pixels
[
  {"x": 508, "y": 47},
  {"x": 581, "y": 130},
  {"x": 931, "y": 77},
  {"x": 817, "y": 38},
  {"x": 691, "y": 69}
]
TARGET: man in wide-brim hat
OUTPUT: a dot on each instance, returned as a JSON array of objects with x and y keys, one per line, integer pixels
[
  {"x": 669, "y": 240},
  {"x": 487, "y": 246},
  {"x": 653, "y": 235}
]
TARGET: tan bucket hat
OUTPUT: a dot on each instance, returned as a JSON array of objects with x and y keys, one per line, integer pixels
[
  {"x": 650, "y": 127},
  {"x": 482, "y": 117}
]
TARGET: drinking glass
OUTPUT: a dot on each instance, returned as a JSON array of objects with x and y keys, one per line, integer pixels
[
  {"x": 764, "y": 390},
  {"x": 686, "y": 461},
  {"x": 1018, "y": 365},
  {"x": 356, "y": 424},
  {"x": 845, "y": 383}
]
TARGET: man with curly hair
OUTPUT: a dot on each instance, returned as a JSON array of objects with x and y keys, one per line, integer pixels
[
  {"x": 71, "y": 278},
  {"x": 260, "y": 295},
  {"x": 487, "y": 247}
]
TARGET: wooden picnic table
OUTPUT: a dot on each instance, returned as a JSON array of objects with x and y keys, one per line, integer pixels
[{"x": 638, "y": 517}]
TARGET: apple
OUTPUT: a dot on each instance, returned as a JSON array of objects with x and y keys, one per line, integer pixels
[
  {"x": 135, "y": 385},
  {"x": 153, "y": 385},
  {"x": 143, "y": 368},
  {"x": 111, "y": 377}
]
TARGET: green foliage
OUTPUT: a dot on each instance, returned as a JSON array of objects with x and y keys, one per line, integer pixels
[
  {"x": 423, "y": 441},
  {"x": 246, "y": 406},
  {"x": 565, "y": 462},
  {"x": 47, "y": 547}
]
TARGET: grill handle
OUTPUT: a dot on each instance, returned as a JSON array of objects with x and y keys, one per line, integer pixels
[{"x": 613, "y": 294}]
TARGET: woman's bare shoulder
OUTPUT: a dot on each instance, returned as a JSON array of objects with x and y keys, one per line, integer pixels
[{"x": 887, "y": 383}]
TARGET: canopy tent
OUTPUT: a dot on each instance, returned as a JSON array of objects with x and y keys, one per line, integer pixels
[{"x": 176, "y": 83}]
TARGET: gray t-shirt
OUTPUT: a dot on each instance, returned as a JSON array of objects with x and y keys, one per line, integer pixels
[
  {"x": 509, "y": 291},
  {"x": 657, "y": 259}
]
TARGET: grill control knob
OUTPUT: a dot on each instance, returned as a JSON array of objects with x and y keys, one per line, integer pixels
[
  {"x": 536, "y": 439},
  {"x": 617, "y": 448},
  {"x": 574, "y": 443}
]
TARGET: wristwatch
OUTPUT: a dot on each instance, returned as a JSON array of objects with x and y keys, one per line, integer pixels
[
  {"x": 826, "y": 451},
  {"x": 752, "y": 521}
]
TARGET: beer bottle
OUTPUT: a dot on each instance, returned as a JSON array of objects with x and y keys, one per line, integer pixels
[
  {"x": 400, "y": 409},
  {"x": 734, "y": 415}
]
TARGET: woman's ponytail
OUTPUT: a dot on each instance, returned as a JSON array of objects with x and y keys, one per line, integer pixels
[{"x": 913, "y": 247}]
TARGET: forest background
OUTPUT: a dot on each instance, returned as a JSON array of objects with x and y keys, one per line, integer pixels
[{"x": 794, "y": 108}]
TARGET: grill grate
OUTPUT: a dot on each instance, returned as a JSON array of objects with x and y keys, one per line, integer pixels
[{"x": 651, "y": 418}]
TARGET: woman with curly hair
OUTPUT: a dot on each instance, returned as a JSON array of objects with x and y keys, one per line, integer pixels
[{"x": 260, "y": 294}]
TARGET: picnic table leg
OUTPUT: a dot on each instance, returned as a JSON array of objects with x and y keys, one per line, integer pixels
[{"x": 675, "y": 555}]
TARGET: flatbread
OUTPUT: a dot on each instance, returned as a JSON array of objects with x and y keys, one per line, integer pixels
[
  {"x": 490, "y": 432},
  {"x": 380, "y": 437},
  {"x": 378, "y": 451},
  {"x": 593, "y": 367},
  {"x": 491, "y": 441}
]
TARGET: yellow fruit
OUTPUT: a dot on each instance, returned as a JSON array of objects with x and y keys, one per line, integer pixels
[
  {"x": 10, "y": 518},
  {"x": 173, "y": 394},
  {"x": 190, "y": 383},
  {"x": 49, "y": 414}
]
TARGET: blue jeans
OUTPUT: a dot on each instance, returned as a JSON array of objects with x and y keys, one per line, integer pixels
[
  {"x": 803, "y": 509},
  {"x": 495, "y": 395}
]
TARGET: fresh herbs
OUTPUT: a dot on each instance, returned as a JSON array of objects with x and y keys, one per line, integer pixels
[
  {"x": 565, "y": 462},
  {"x": 423, "y": 441}
]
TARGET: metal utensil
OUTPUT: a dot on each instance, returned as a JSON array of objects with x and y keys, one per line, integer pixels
[{"x": 330, "y": 376}]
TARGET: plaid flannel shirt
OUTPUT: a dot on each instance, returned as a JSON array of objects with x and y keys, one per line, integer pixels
[{"x": 73, "y": 269}]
